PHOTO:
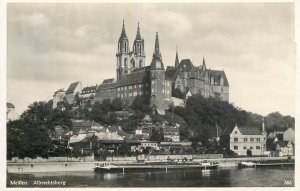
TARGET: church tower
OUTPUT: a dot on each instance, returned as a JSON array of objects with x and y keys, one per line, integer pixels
[
  {"x": 122, "y": 54},
  {"x": 138, "y": 59},
  {"x": 157, "y": 74}
]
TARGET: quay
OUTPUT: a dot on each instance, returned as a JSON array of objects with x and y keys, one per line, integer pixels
[{"x": 67, "y": 166}]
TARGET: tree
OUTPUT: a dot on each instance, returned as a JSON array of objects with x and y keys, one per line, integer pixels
[
  {"x": 106, "y": 106},
  {"x": 178, "y": 93},
  {"x": 96, "y": 113},
  {"x": 140, "y": 104},
  {"x": 117, "y": 104},
  {"x": 157, "y": 135}
]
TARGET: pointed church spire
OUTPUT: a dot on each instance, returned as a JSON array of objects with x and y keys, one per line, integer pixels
[
  {"x": 156, "y": 50},
  {"x": 123, "y": 34},
  {"x": 203, "y": 64},
  {"x": 138, "y": 33},
  {"x": 176, "y": 59},
  {"x": 156, "y": 59}
]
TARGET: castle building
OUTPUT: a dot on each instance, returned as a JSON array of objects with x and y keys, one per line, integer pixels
[
  {"x": 152, "y": 82},
  {"x": 134, "y": 78},
  {"x": 198, "y": 80}
]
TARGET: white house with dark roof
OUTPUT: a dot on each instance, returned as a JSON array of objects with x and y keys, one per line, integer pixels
[{"x": 239, "y": 139}]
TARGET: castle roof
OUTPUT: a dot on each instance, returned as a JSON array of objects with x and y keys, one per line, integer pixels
[
  {"x": 72, "y": 87},
  {"x": 186, "y": 65},
  {"x": 107, "y": 86},
  {"x": 134, "y": 78},
  {"x": 109, "y": 80},
  {"x": 217, "y": 74},
  {"x": 60, "y": 90}
]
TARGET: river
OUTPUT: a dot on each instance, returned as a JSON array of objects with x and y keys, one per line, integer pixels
[{"x": 222, "y": 177}]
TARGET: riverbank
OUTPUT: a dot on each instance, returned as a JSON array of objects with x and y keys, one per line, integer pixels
[{"x": 89, "y": 166}]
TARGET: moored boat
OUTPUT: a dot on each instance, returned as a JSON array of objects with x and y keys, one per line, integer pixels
[
  {"x": 246, "y": 164},
  {"x": 110, "y": 167}
]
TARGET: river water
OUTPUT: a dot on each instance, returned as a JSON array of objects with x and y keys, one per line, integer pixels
[{"x": 222, "y": 177}]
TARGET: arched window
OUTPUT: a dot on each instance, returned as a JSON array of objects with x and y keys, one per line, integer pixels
[
  {"x": 141, "y": 63},
  {"x": 133, "y": 63},
  {"x": 125, "y": 62}
]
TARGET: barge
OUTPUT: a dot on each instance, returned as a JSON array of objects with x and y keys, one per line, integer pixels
[
  {"x": 110, "y": 167},
  {"x": 277, "y": 163}
]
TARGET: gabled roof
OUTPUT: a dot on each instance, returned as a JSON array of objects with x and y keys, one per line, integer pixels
[
  {"x": 217, "y": 76},
  {"x": 171, "y": 74},
  {"x": 134, "y": 78},
  {"x": 283, "y": 143},
  {"x": 107, "y": 81},
  {"x": 245, "y": 130},
  {"x": 60, "y": 90},
  {"x": 106, "y": 86},
  {"x": 186, "y": 65},
  {"x": 72, "y": 87}
]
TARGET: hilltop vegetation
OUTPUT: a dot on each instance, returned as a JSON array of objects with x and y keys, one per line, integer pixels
[{"x": 30, "y": 135}]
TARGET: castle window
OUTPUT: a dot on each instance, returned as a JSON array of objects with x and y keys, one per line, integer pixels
[
  {"x": 236, "y": 140},
  {"x": 245, "y": 148},
  {"x": 152, "y": 90},
  {"x": 257, "y": 147},
  {"x": 235, "y": 147},
  {"x": 153, "y": 82},
  {"x": 141, "y": 62},
  {"x": 125, "y": 63},
  {"x": 257, "y": 139},
  {"x": 245, "y": 139},
  {"x": 251, "y": 139},
  {"x": 163, "y": 91}
]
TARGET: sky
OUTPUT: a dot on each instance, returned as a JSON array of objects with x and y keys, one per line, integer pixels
[{"x": 50, "y": 46}]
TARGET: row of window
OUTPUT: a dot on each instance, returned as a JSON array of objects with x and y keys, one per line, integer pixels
[
  {"x": 131, "y": 94},
  {"x": 165, "y": 83},
  {"x": 246, "y": 140},
  {"x": 131, "y": 87},
  {"x": 167, "y": 92},
  {"x": 245, "y": 148},
  {"x": 88, "y": 91}
]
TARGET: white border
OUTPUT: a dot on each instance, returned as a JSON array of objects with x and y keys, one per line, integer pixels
[{"x": 3, "y": 61}]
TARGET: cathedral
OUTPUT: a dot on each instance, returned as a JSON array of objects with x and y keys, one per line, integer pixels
[{"x": 152, "y": 82}]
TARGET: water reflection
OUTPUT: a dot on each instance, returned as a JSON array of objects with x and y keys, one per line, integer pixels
[{"x": 178, "y": 178}]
